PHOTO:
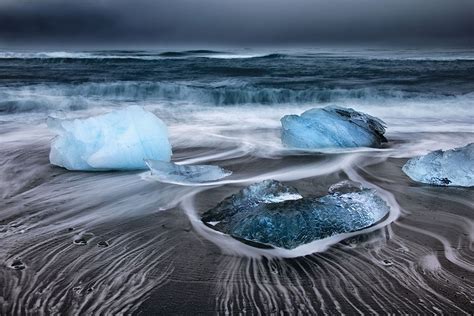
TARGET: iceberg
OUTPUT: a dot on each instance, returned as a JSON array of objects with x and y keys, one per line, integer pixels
[
  {"x": 120, "y": 140},
  {"x": 332, "y": 127},
  {"x": 453, "y": 167},
  {"x": 173, "y": 173},
  {"x": 273, "y": 214}
]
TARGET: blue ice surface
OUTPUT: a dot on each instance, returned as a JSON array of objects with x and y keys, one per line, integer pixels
[
  {"x": 332, "y": 127},
  {"x": 274, "y": 214},
  {"x": 453, "y": 167},
  {"x": 173, "y": 173},
  {"x": 119, "y": 140}
]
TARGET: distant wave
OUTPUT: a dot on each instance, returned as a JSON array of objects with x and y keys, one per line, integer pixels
[
  {"x": 186, "y": 53},
  {"x": 204, "y": 53},
  {"x": 46, "y": 55},
  {"x": 274, "y": 55},
  {"x": 422, "y": 58},
  {"x": 245, "y": 56},
  {"x": 139, "y": 55}
]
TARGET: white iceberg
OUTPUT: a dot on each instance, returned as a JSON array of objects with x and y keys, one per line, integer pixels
[
  {"x": 120, "y": 140},
  {"x": 453, "y": 167},
  {"x": 332, "y": 127},
  {"x": 173, "y": 173}
]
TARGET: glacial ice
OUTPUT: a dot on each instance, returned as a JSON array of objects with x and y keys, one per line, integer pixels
[
  {"x": 173, "y": 173},
  {"x": 120, "y": 140},
  {"x": 272, "y": 213},
  {"x": 453, "y": 167},
  {"x": 345, "y": 186},
  {"x": 332, "y": 127}
]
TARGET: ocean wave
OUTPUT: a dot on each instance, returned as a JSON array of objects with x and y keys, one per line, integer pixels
[
  {"x": 246, "y": 56},
  {"x": 36, "y": 98},
  {"x": 46, "y": 55},
  {"x": 422, "y": 58},
  {"x": 224, "y": 93},
  {"x": 42, "y": 103},
  {"x": 186, "y": 53},
  {"x": 138, "y": 55},
  {"x": 382, "y": 55}
]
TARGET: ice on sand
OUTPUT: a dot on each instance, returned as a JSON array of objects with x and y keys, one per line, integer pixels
[
  {"x": 174, "y": 173},
  {"x": 120, "y": 140},
  {"x": 453, "y": 167},
  {"x": 272, "y": 213},
  {"x": 332, "y": 127}
]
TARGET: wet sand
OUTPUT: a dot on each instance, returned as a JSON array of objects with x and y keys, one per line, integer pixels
[{"x": 117, "y": 242}]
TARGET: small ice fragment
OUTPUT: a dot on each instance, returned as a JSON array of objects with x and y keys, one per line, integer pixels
[
  {"x": 257, "y": 193},
  {"x": 119, "y": 140},
  {"x": 453, "y": 167},
  {"x": 173, "y": 173},
  {"x": 249, "y": 215},
  {"x": 281, "y": 197},
  {"x": 332, "y": 127},
  {"x": 345, "y": 186}
]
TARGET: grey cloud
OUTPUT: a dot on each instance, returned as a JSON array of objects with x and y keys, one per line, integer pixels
[{"x": 240, "y": 22}]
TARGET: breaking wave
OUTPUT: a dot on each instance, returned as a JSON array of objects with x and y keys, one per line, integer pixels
[{"x": 39, "y": 98}]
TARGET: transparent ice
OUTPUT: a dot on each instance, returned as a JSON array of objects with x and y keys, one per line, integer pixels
[
  {"x": 453, "y": 167},
  {"x": 173, "y": 173},
  {"x": 261, "y": 214}
]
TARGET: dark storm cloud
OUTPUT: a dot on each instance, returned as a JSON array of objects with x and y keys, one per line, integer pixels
[{"x": 235, "y": 21}]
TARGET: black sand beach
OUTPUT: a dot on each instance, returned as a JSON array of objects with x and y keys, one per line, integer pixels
[{"x": 154, "y": 261}]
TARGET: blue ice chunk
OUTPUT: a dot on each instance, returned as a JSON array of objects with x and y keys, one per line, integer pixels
[
  {"x": 273, "y": 214},
  {"x": 120, "y": 140},
  {"x": 453, "y": 167},
  {"x": 173, "y": 173},
  {"x": 332, "y": 127}
]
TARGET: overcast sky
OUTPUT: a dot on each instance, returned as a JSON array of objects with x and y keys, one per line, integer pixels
[{"x": 235, "y": 22}]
